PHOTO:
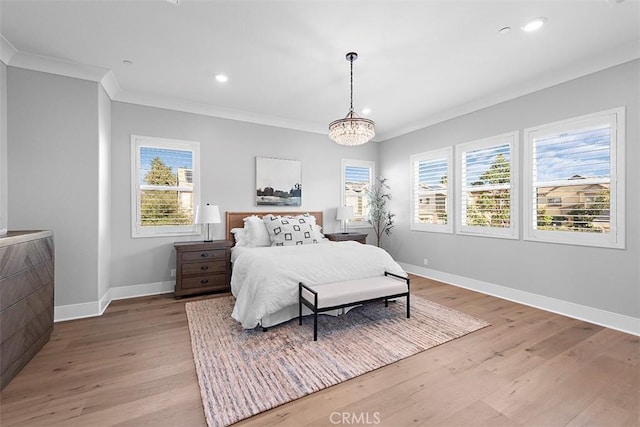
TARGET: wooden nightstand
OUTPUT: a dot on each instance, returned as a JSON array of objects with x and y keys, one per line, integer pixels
[
  {"x": 203, "y": 267},
  {"x": 341, "y": 237}
]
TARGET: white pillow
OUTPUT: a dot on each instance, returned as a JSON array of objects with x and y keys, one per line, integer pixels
[
  {"x": 290, "y": 230},
  {"x": 240, "y": 236},
  {"x": 317, "y": 230},
  {"x": 256, "y": 233}
]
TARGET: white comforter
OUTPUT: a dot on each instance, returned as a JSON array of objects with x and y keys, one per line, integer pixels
[{"x": 265, "y": 280}]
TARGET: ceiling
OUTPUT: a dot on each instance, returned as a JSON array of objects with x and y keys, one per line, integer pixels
[{"x": 420, "y": 62}]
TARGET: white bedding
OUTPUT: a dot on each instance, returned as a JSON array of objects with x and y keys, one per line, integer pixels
[{"x": 265, "y": 279}]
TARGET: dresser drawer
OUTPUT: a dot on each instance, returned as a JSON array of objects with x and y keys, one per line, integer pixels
[
  {"x": 204, "y": 255},
  {"x": 206, "y": 267},
  {"x": 209, "y": 281}
]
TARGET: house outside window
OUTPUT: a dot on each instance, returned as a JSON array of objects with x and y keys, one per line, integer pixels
[
  {"x": 579, "y": 164},
  {"x": 486, "y": 177},
  {"x": 357, "y": 180},
  {"x": 164, "y": 186},
  {"x": 431, "y": 197},
  {"x": 552, "y": 201}
]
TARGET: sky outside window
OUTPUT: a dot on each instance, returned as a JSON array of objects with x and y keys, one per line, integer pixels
[
  {"x": 584, "y": 152},
  {"x": 357, "y": 174},
  {"x": 172, "y": 158}
]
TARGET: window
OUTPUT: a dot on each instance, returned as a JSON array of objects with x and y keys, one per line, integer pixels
[
  {"x": 575, "y": 180},
  {"x": 554, "y": 201},
  {"x": 487, "y": 182},
  {"x": 165, "y": 186},
  {"x": 431, "y": 198},
  {"x": 357, "y": 180}
]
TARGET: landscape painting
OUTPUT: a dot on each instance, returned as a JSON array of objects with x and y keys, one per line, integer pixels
[{"x": 278, "y": 182}]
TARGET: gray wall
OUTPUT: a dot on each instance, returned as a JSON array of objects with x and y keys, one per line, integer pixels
[
  {"x": 68, "y": 147},
  {"x": 52, "y": 172},
  {"x": 69, "y": 171},
  {"x": 3, "y": 146},
  {"x": 227, "y": 159},
  {"x": 607, "y": 279}
]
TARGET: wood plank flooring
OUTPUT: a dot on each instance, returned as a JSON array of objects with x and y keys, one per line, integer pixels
[{"x": 133, "y": 366}]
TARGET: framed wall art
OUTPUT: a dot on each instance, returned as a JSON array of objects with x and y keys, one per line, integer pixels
[{"x": 278, "y": 182}]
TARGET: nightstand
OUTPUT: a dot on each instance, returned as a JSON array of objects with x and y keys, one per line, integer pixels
[
  {"x": 203, "y": 267},
  {"x": 341, "y": 237}
]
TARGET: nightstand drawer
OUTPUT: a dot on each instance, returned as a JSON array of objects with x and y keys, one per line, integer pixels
[
  {"x": 206, "y": 267},
  {"x": 204, "y": 255},
  {"x": 208, "y": 281}
]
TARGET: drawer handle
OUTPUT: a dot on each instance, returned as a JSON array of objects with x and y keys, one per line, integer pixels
[
  {"x": 204, "y": 254},
  {"x": 203, "y": 281},
  {"x": 204, "y": 267}
]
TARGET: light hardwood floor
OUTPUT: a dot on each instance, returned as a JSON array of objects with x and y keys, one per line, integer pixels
[{"x": 133, "y": 366}]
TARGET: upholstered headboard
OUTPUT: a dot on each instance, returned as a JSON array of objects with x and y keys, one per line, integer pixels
[{"x": 236, "y": 219}]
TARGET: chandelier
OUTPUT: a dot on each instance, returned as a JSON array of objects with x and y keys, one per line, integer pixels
[{"x": 352, "y": 130}]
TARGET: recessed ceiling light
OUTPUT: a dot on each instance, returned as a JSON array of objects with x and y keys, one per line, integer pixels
[
  {"x": 534, "y": 24},
  {"x": 221, "y": 78},
  {"x": 366, "y": 111},
  {"x": 127, "y": 62},
  {"x": 504, "y": 30}
]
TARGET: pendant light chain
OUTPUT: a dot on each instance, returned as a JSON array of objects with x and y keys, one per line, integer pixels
[{"x": 351, "y": 58}]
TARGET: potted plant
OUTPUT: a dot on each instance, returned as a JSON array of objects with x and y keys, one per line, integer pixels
[{"x": 379, "y": 217}]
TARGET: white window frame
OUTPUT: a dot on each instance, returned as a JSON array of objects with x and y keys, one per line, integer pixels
[
  {"x": 138, "y": 141},
  {"x": 356, "y": 163},
  {"x": 511, "y": 232},
  {"x": 616, "y": 237},
  {"x": 442, "y": 153}
]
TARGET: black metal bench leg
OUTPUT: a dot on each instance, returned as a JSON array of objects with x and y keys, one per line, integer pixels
[
  {"x": 408, "y": 307},
  {"x": 386, "y": 303},
  {"x": 315, "y": 326},
  {"x": 264, "y": 329},
  {"x": 299, "y": 313}
]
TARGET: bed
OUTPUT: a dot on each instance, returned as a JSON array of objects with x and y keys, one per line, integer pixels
[{"x": 265, "y": 279}]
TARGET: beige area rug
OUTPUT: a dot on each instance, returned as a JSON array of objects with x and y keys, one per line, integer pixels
[{"x": 244, "y": 372}]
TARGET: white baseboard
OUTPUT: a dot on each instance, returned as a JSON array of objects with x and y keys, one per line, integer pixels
[
  {"x": 620, "y": 322},
  {"x": 76, "y": 311},
  {"x": 62, "y": 313},
  {"x": 143, "y": 290}
]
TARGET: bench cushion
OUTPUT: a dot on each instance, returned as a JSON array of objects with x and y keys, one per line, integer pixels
[{"x": 339, "y": 293}]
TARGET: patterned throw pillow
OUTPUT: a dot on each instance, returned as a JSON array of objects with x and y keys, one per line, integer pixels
[{"x": 290, "y": 230}]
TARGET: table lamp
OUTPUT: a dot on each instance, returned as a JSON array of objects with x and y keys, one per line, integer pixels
[
  {"x": 345, "y": 213},
  {"x": 207, "y": 214}
]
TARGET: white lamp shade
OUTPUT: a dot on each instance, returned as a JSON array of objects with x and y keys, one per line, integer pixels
[
  {"x": 207, "y": 214},
  {"x": 344, "y": 212}
]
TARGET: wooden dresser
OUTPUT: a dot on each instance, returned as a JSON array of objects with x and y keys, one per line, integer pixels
[
  {"x": 26, "y": 298},
  {"x": 203, "y": 267}
]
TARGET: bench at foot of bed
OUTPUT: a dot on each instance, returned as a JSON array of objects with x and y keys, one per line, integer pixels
[{"x": 331, "y": 296}]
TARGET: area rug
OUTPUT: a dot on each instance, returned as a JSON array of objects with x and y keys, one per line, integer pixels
[{"x": 244, "y": 372}]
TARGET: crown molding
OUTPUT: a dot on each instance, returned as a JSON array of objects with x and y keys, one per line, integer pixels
[
  {"x": 215, "y": 111},
  {"x": 613, "y": 57},
  {"x": 12, "y": 57},
  {"x": 6, "y": 50},
  {"x": 57, "y": 66},
  {"x": 111, "y": 85}
]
